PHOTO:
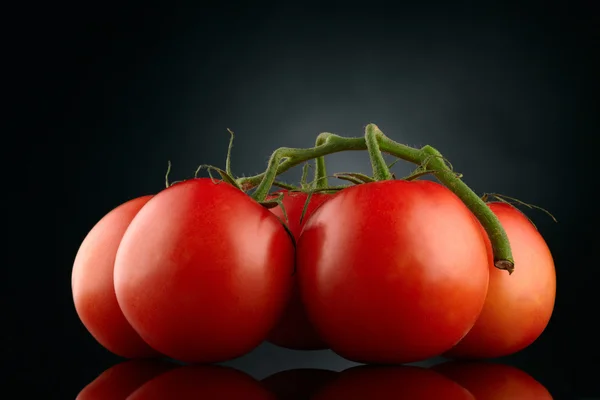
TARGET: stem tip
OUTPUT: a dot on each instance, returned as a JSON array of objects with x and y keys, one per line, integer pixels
[{"x": 506, "y": 265}]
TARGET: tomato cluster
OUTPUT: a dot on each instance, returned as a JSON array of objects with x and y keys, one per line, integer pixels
[
  {"x": 387, "y": 272},
  {"x": 383, "y": 272}
]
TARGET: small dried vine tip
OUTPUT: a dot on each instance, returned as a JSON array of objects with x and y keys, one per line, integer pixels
[{"x": 505, "y": 265}]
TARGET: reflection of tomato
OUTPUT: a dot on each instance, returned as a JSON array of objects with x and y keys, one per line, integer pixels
[
  {"x": 298, "y": 383},
  {"x": 202, "y": 382},
  {"x": 294, "y": 330},
  {"x": 203, "y": 272},
  {"x": 392, "y": 271},
  {"x": 392, "y": 382},
  {"x": 93, "y": 286},
  {"x": 120, "y": 380},
  {"x": 490, "y": 381},
  {"x": 518, "y": 307}
]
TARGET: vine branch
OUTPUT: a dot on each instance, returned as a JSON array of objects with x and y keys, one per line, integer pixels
[{"x": 431, "y": 159}]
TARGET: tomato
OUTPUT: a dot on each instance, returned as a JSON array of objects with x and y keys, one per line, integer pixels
[
  {"x": 294, "y": 330},
  {"x": 93, "y": 287},
  {"x": 518, "y": 307},
  {"x": 203, "y": 272},
  {"x": 392, "y": 382},
  {"x": 392, "y": 271},
  {"x": 491, "y": 381},
  {"x": 120, "y": 380},
  {"x": 301, "y": 383},
  {"x": 202, "y": 382}
]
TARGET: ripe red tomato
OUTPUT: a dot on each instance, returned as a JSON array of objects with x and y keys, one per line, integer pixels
[
  {"x": 490, "y": 381},
  {"x": 202, "y": 382},
  {"x": 203, "y": 272},
  {"x": 93, "y": 287},
  {"x": 299, "y": 384},
  {"x": 518, "y": 307},
  {"x": 392, "y": 271},
  {"x": 120, "y": 380},
  {"x": 294, "y": 330},
  {"x": 398, "y": 382}
]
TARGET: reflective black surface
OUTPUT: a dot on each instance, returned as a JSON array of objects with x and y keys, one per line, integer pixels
[
  {"x": 273, "y": 373},
  {"x": 163, "y": 379}
]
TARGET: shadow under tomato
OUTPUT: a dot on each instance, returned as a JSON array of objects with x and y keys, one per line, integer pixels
[
  {"x": 392, "y": 382},
  {"x": 120, "y": 380},
  {"x": 493, "y": 381},
  {"x": 301, "y": 383},
  {"x": 200, "y": 382}
]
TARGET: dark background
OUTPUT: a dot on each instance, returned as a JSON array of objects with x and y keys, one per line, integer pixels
[{"x": 110, "y": 94}]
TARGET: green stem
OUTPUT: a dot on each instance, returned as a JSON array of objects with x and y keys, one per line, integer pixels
[
  {"x": 381, "y": 172},
  {"x": 285, "y": 158},
  {"x": 320, "y": 170}
]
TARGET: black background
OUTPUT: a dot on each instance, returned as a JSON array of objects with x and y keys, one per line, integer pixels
[{"x": 109, "y": 94}]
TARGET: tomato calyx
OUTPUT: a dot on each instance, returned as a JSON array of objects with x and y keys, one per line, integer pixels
[
  {"x": 354, "y": 177},
  {"x": 515, "y": 202}
]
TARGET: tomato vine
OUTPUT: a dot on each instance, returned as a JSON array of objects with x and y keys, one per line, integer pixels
[{"x": 429, "y": 159}]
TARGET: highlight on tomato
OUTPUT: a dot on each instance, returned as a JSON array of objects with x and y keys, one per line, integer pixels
[
  {"x": 298, "y": 384},
  {"x": 294, "y": 330},
  {"x": 202, "y": 382},
  {"x": 393, "y": 271},
  {"x": 204, "y": 272},
  {"x": 93, "y": 286},
  {"x": 518, "y": 306},
  {"x": 392, "y": 382},
  {"x": 493, "y": 381},
  {"x": 120, "y": 380}
]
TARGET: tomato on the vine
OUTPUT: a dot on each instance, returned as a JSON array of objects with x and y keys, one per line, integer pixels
[
  {"x": 392, "y": 271},
  {"x": 294, "y": 330},
  {"x": 492, "y": 381},
  {"x": 204, "y": 272},
  {"x": 518, "y": 307},
  {"x": 93, "y": 286}
]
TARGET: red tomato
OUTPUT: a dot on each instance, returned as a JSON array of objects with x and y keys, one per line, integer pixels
[
  {"x": 488, "y": 381},
  {"x": 202, "y": 382},
  {"x": 400, "y": 382},
  {"x": 297, "y": 384},
  {"x": 392, "y": 271},
  {"x": 294, "y": 330},
  {"x": 518, "y": 306},
  {"x": 120, "y": 380},
  {"x": 93, "y": 287},
  {"x": 203, "y": 272}
]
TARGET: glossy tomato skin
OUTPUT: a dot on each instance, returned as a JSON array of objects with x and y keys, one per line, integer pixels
[
  {"x": 93, "y": 287},
  {"x": 392, "y": 382},
  {"x": 294, "y": 330},
  {"x": 393, "y": 271},
  {"x": 202, "y": 382},
  {"x": 120, "y": 380},
  {"x": 203, "y": 272},
  {"x": 518, "y": 306},
  {"x": 492, "y": 381}
]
